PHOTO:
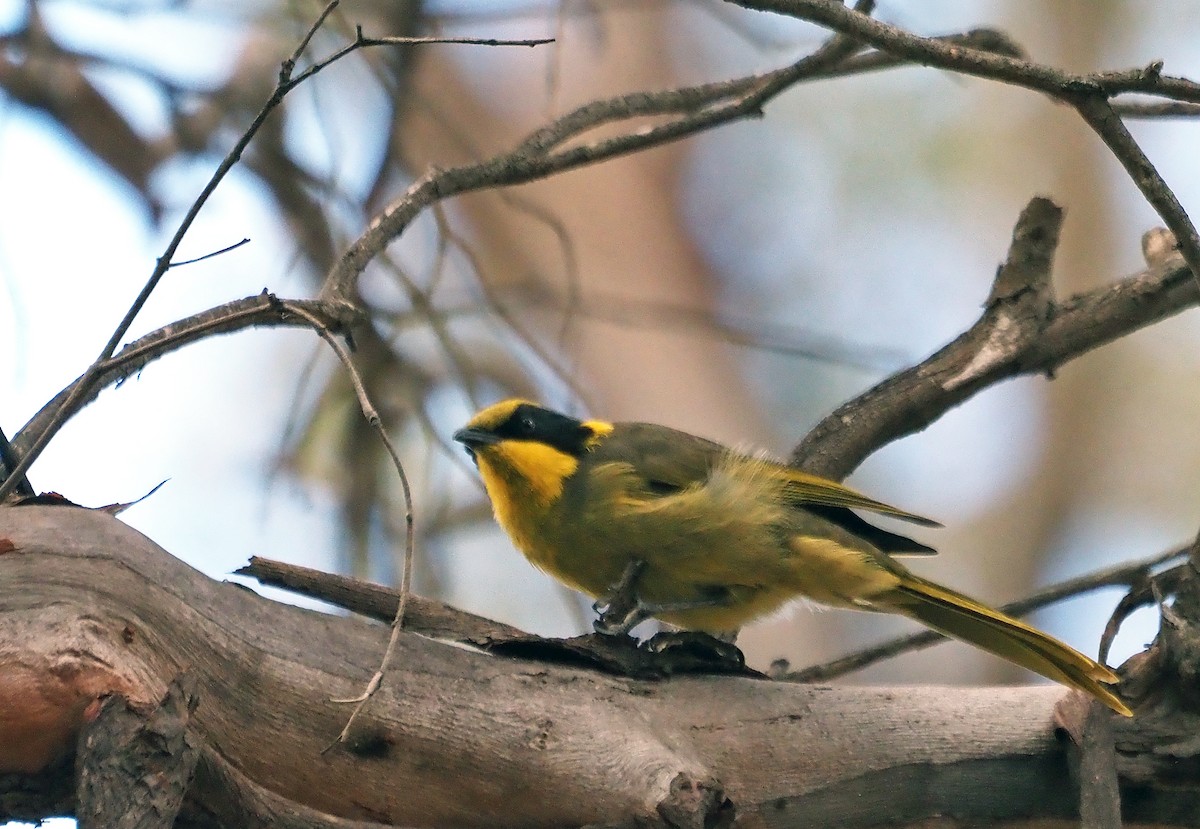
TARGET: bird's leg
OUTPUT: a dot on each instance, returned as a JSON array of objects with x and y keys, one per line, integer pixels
[
  {"x": 658, "y": 608},
  {"x": 620, "y": 610}
]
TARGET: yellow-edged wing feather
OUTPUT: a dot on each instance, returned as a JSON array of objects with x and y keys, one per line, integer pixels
[
  {"x": 803, "y": 488},
  {"x": 676, "y": 460}
]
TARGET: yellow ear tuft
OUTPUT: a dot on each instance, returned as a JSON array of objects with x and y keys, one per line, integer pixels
[{"x": 600, "y": 430}]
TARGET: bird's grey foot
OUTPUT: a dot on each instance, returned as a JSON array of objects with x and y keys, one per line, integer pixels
[
  {"x": 716, "y": 654},
  {"x": 632, "y": 610},
  {"x": 620, "y": 610},
  {"x": 713, "y": 595}
]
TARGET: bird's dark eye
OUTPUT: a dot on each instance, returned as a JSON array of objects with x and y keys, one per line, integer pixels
[{"x": 527, "y": 426}]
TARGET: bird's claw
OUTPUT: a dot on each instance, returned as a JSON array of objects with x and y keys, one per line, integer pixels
[
  {"x": 614, "y": 625},
  {"x": 620, "y": 610},
  {"x": 715, "y": 651}
]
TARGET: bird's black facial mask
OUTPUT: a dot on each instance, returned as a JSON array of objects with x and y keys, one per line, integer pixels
[{"x": 528, "y": 422}]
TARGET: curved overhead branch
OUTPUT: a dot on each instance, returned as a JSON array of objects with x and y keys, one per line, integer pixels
[
  {"x": 258, "y": 311},
  {"x": 1023, "y": 330},
  {"x": 1088, "y": 94}
]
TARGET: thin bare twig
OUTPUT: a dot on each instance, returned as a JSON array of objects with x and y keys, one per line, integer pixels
[
  {"x": 256, "y": 311},
  {"x": 9, "y": 460},
  {"x": 470, "y": 41},
  {"x": 1099, "y": 114},
  {"x": 372, "y": 415},
  {"x": 550, "y": 150},
  {"x": 214, "y": 253},
  {"x": 1156, "y": 109},
  {"x": 290, "y": 64}
]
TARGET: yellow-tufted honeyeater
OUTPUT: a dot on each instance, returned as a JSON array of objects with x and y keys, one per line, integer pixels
[{"x": 710, "y": 538}]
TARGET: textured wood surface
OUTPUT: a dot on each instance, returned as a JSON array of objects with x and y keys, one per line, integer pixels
[{"x": 459, "y": 737}]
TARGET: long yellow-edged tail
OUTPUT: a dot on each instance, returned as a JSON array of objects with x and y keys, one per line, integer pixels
[{"x": 962, "y": 617}]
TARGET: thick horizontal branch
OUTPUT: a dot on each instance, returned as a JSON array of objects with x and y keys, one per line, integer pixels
[{"x": 89, "y": 607}]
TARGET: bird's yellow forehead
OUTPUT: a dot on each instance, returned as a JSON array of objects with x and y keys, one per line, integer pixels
[{"x": 494, "y": 415}]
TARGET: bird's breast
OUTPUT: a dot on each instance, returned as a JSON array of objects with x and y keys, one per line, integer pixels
[{"x": 521, "y": 505}]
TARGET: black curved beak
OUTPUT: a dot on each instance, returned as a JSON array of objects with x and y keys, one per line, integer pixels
[{"x": 471, "y": 438}]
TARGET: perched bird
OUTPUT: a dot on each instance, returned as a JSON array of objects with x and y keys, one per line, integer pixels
[{"x": 709, "y": 539}]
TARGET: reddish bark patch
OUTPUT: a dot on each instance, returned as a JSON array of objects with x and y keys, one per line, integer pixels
[
  {"x": 42, "y": 708},
  {"x": 39, "y": 715}
]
